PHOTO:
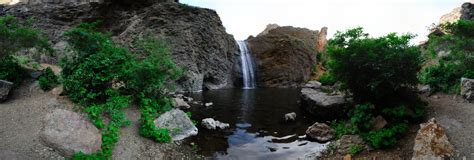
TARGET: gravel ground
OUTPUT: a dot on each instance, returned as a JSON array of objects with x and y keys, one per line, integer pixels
[
  {"x": 457, "y": 117},
  {"x": 21, "y": 120}
]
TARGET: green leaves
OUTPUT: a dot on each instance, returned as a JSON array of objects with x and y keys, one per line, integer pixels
[{"x": 48, "y": 80}]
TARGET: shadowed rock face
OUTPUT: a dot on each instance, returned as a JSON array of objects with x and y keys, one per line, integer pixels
[
  {"x": 285, "y": 56},
  {"x": 195, "y": 36}
]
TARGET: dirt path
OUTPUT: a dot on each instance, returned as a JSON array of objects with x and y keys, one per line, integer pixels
[
  {"x": 457, "y": 117},
  {"x": 21, "y": 120}
]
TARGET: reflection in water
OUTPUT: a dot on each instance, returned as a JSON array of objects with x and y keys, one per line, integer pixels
[{"x": 258, "y": 130}]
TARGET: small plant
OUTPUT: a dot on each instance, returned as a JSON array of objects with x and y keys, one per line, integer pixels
[
  {"x": 327, "y": 79},
  {"x": 342, "y": 128},
  {"x": 361, "y": 117},
  {"x": 355, "y": 149},
  {"x": 385, "y": 137},
  {"x": 48, "y": 80}
]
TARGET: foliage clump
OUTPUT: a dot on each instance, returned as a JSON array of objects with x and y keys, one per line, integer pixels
[
  {"x": 380, "y": 73},
  {"x": 446, "y": 74},
  {"x": 106, "y": 78},
  {"x": 17, "y": 35},
  {"x": 48, "y": 80}
]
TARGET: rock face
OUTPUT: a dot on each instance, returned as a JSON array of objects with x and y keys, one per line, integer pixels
[
  {"x": 70, "y": 133},
  {"x": 320, "y": 132},
  {"x": 285, "y": 56},
  {"x": 212, "y": 124},
  {"x": 5, "y": 88},
  {"x": 178, "y": 123},
  {"x": 321, "y": 104},
  {"x": 467, "y": 89},
  {"x": 466, "y": 11},
  {"x": 431, "y": 142},
  {"x": 195, "y": 36}
]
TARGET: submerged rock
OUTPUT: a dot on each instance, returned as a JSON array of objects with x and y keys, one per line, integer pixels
[
  {"x": 467, "y": 89},
  {"x": 290, "y": 116},
  {"x": 5, "y": 88},
  {"x": 323, "y": 105},
  {"x": 212, "y": 124},
  {"x": 70, "y": 133},
  {"x": 320, "y": 132},
  {"x": 178, "y": 123},
  {"x": 431, "y": 142}
]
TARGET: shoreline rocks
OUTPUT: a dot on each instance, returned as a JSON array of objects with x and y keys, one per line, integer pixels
[
  {"x": 320, "y": 132},
  {"x": 5, "y": 88},
  {"x": 70, "y": 133},
  {"x": 178, "y": 123},
  {"x": 211, "y": 124}
]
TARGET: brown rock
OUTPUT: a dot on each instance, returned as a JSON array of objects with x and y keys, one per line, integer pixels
[
  {"x": 322, "y": 40},
  {"x": 431, "y": 142},
  {"x": 320, "y": 132},
  {"x": 379, "y": 122}
]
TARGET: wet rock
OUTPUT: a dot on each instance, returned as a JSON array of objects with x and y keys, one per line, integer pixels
[
  {"x": 323, "y": 105},
  {"x": 313, "y": 85},
  {"x": 5, "y": 88},
  {"x": 467, "y": 89},
  {"x": 431, "y": 142},
  {"x": 343, "y": 145},
  {"x": 379, "y": 122},
  {"x": 180, "y": 103},
  {"x": 208, "y": 104},
  {"x": 70, "y": 133},
  {"x": 285, "y": 56},
  {"x": 212, "y": 124},
  {"x": 290, "y": 116},
  {"x": 320, "y": 132},
  {"x": 178, "y": 123}
]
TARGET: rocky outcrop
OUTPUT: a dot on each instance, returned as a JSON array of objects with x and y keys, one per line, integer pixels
[
  {"x": 178, "y": 123},
  {"x": 195, "y": 36},
  {"x": 467, "y": 89},
  {"x": 285, "y": 56},
  {"x": 70, "y": 133},
  {"x": 322, "y": 104},
  {"x": 431, "y": 142},
  {"x": 466, "y": 11},
  {"x": 212, "y": 124},
  {"x": 5, "y": 88},
  {"x": 320, "y": 132},
  {"x": 322, "y": 40}
]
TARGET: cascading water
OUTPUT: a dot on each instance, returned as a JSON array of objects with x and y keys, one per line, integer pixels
[{"x": 247, "y": 66}]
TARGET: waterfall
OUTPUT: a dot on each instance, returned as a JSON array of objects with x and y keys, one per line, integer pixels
[{"x": 247, "y": 66}]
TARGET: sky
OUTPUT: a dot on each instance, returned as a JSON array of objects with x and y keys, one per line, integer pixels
[{"x": 243, "y": 18}]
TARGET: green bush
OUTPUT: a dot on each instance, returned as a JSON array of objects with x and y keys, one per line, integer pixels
[
  {"x": 445, "y": 75},
  {"x": 355, "y": 149},
  {"x": 373, "y": 68},
  {"x": 385, "y": 137},
  {"x": 107, "y": 78},
  {"x": 48, "y": 80},
  {"x": 327, "y": 79},
  {"x": 17, "y": 35},
  {"x": 361, "y": 117}
]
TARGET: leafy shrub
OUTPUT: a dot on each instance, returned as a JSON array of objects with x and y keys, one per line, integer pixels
[
  {"x": 48, "y": 80},
  {"x": 373, "y": 68},
  {"x": 355, "y": 149},
  {"x": 327, "y": 79},
  {"x": 17, "y": 35},
  {"x": 385, "y": 137},
  {"x": 342, "y": 128},
  {"x": 107, "y": 78},
  {"x": 361, "y": 117},
  {"x": 445, "y": 75}
]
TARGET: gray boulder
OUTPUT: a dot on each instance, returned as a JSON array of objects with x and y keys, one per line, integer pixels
[
  {"x": 180, "y": 103},
  {"x": 321, "y": 104},
  {"x": 5, "y": 88},
  {"x": 290, "y": 116},
  {"x": 70, "y": 133},
  {"x": 212, "y": 124},
  {"x": 178, "y": 123},
  {"x": 467, "y": 89},
  {"x": 431, "y": 142},
  {"x": 320, "y": 132},
  {"x": 313, "y": 84}
]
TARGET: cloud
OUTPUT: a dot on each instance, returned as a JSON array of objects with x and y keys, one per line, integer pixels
[{"x": 379, "y": 17}]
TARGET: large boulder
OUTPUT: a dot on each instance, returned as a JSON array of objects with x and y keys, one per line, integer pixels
[
  {"x": 195, "y": 36},
  {"x": 467, "y": 89},
  {"x": 320, "y": 132},
  {"x": 285, "y": 56},
  {"x": 322, "y": 104},
  {"x": 5, "y": 88},
  {"x": 70, "y": 133},
  {"x": 431, "y": 142},
  {"x": 178, "y": 123}
]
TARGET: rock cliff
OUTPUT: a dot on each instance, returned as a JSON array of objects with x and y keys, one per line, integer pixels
[
  {"x": 466, "y": 11},
  {"x": 196, "y": 37},
  {"x": 285, "y": 56}
]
